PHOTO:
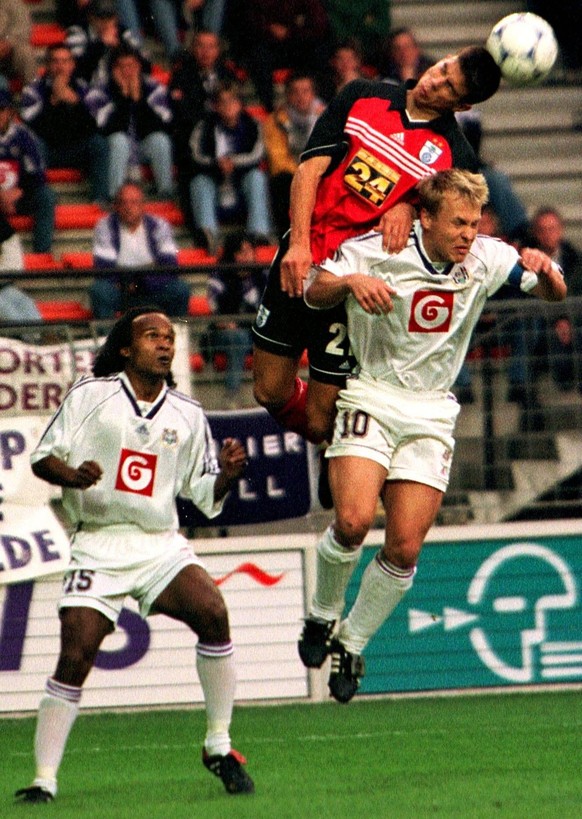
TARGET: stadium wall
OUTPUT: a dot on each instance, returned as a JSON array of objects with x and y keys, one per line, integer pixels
[{"x": 490, "y": 607}]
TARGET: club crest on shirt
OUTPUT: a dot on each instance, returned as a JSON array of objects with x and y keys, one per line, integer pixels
[
  {"x": 429, "y": 153},
  {"x": 262, "y": 316},
  {"x": 170, "y": 437},
  {"x": 461, "y": 275}
]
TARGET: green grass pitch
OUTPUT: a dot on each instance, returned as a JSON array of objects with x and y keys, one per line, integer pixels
[{"x": 510, "y": 755}]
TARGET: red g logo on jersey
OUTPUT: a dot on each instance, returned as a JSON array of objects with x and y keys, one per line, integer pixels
[
  {"x": 136, "y": 472},
  {"x": 430, "y": 312}
]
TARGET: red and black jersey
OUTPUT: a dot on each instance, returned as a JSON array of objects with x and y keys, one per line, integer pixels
[{"x": 378, "y": 156}]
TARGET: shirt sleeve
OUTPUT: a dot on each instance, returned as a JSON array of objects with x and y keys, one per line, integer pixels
[{"x": 199, "y": 487}]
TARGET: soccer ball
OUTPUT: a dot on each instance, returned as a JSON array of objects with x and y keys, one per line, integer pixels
[{"x": 524, "y": 47}]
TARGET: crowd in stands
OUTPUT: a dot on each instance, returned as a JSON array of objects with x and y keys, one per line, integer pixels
[{"x": 96, "y": 102}]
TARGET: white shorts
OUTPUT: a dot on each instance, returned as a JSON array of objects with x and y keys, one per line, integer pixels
[
  {"x": 109, "y": 564},
  {"x": 409, "y": 433}
]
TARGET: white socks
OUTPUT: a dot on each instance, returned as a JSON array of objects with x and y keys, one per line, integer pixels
[
  {"x": 56, "y": 714},
  {"x": 383, "y": 586},
  {"x": 335, "y": 565},
  {"x": 216, "y": 670}
]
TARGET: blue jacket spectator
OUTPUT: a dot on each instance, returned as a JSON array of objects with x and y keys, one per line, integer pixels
[
  {"x": 129, "y": 239},
  {"x": 94, "y": 41},
  {"x": 133, "y": 111},
  {"x": 227, "y": 150},
  {"x": 55, "y": 108},
  {"x": 22, "y": 168}
]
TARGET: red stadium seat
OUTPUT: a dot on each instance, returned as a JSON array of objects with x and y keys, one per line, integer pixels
[
  {"x": 21, "y": 223},
  {"x": 41, "y": 261},
  {"x": 281, "y": 75},
  {"x": 199, "y": 306},
  {"x": 46, "y": 34},
  {"x": 79, "y": 259},
  {"x": 265, "y": 253},
  {"x": 160, "y": 74},
  {"x": 170, "y": 211},
  {"x": 258, "y": 112},
  {"x": 197, "y": 362},
  {"x": 63, "y": 311},
  {"x": 77, "y": 216},
  {"x": 195, "y": 255},
  {"x": 56, "y": 175}
]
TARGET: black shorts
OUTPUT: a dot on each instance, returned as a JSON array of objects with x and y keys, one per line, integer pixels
[{"x": 286, "y": 326}]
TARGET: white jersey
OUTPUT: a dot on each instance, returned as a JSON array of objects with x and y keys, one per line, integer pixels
[
  {"x": 149, "y": 455},
  {"x": 422, "y": 343}
]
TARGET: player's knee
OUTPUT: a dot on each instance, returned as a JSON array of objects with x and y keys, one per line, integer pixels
[
  {"x": 351, "y": 528},
  {"x": 403, "y": 552},
  {"x": 74, "y": 665},
  {"x": 214, "y": 626}
]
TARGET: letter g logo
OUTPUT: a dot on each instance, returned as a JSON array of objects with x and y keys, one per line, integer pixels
[
  {"x": 430, "y": 312},
  {"x": 136, "y": 472}
]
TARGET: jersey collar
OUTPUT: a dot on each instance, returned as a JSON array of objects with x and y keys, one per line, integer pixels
[{"x": 129, "y": 391}]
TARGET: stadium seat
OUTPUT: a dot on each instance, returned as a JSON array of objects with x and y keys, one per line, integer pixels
[
  {"x": 63, "y": 311},
  {"x": 199, "y": 306},
  {"x": 195, "y": 255},
  {"x": 160, "y": 74},
  {"x": 78, "y": 216},
  {"x": 43, "y": 35},
  {"x": 197, "y": 362},
  {"x": 41, "y": 261},
  {"x": 59, "y": 175},
  {"x": 281, "y": 75},
  {"x": 169, "y": 210},
  {"x": 265, "y": 253},
  {"x": 77, "y": 259},
  {"x": 21, "y": 223},
  {"x": 258, "y": 112}
]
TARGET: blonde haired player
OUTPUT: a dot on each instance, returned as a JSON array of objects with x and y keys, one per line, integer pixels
[{"x": 410, "y": 319}]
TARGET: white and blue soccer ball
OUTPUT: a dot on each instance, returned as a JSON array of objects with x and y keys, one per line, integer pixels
[{"x": 524, "y": 47}]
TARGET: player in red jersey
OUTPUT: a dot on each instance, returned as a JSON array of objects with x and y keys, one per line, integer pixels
[{"x": 366, "y": 153}]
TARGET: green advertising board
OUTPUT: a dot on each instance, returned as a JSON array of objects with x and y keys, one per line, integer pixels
[{"x": 482, "y": 613}]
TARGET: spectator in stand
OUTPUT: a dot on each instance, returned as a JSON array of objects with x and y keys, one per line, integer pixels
[
  {"x": 402, "y": 58},
  {"x": 15, "y": 305},
  {"x": 131, "y": 239},
  {"x": 272, "y": 34},
  {"x": 133, "y": 111},
  {"x": 227, "y": 149},
  {"x": 71, "y": 12},
  {"x": 17, "y": 58},
  {"x": 502, "y": 196},
  {"x": 54, "y": 107},
  {"x": 196, "y": 76},
  {"x": 366, "y": 21},
  {"x": 285, "y": 133},
  {"x": 233, "y": 292},
  {"x": 94, "y": 42},
  {"x": 564, "y": 334},
  {"x": 174, "y": 19},
  {"x": 345, "y": 65},
  {"x": 22, "y": 169}
]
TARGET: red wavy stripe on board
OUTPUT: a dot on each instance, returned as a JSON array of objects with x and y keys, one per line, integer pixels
[{"x": 253, "y": 571}]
